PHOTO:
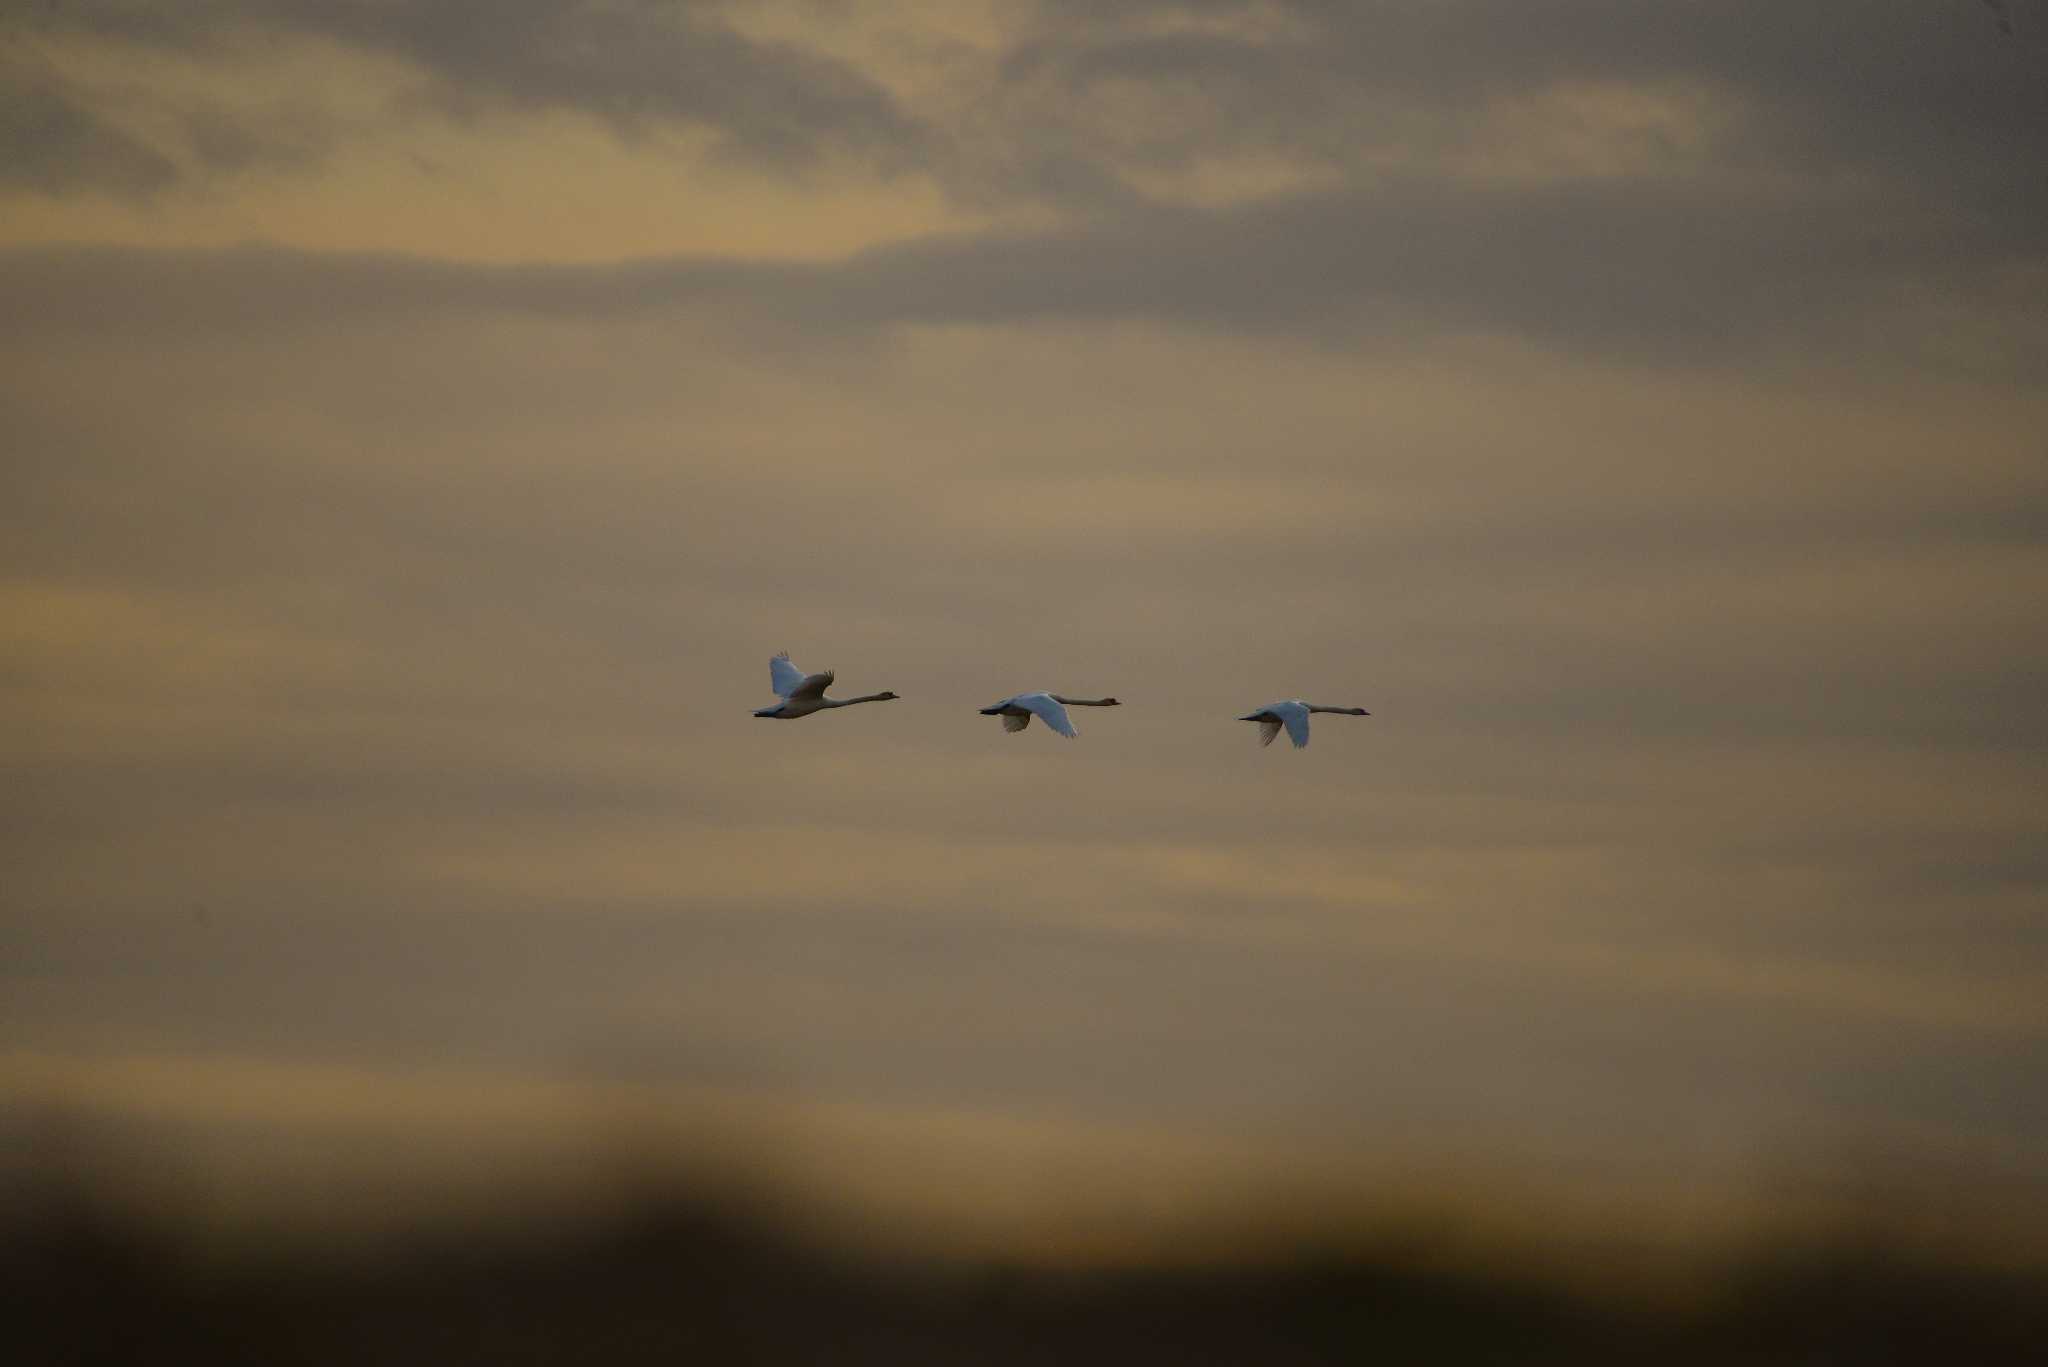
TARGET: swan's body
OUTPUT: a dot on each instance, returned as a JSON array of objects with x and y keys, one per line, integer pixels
[
  {"x": 1049, "y": 708},
  {"x": 803, "y": 694},
  {"x": 1292, "y": 714}
]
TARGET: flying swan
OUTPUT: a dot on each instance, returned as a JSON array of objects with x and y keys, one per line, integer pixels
[
  {"x": 1292, "y": 714},
  {"x": 803, "y": 694},
  {"x": 1049, "y": 708}
]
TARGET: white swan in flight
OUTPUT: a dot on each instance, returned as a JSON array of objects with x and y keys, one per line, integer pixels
[
  {"x": 1292, "y": 714},
  {"x": 803, "y": 694},
  {"x": 1049, "y": 708}
]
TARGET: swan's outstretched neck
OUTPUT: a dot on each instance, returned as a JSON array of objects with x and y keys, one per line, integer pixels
[
  {"x": 871, "y": 697},
  {"x": 1347, "y": 711},
  {"x": 1086, "y": 702}
]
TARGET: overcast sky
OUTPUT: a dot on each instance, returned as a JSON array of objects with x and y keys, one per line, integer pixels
[{"x": 425, "y": 420}]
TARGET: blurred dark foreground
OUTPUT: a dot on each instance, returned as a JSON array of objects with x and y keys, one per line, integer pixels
[{"x": 684, "y": 1275}]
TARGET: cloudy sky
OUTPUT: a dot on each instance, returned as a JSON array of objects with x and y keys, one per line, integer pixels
[{"x": 424, "y": 421}]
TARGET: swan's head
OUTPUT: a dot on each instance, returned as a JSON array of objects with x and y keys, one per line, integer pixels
[
  {"x": 886, "y": 696},
  {"x": 1254, "y": 716},
  {"x": 774, "y": 711},
  {"x": 1111, "y": 702},
  {"x": 995, "y": 711}
]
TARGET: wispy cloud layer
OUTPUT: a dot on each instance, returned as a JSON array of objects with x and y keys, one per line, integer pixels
[{"x": 1638, "y": 410}]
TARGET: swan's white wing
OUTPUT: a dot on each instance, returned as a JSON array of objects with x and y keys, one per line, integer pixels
[
  {"x": 1295, "y": 715},
  {"x": 1268, "y": 730},
  {"x": 1048, "y": 711},
  {"x": 784, "y": 677},
  {"x": 813, "y": 686},
  {"x": 1015, "y": 723}
]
